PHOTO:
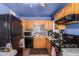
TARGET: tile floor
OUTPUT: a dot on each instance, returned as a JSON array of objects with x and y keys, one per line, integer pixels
[{"x": 26, "y": 52}]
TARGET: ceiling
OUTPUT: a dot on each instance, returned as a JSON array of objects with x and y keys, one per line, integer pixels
[{"x": 35, "y": 9}]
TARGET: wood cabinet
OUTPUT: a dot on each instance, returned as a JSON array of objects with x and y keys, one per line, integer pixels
[
  {"x": 60, "y": 27},
  {"x": 28, "y": 24},
  {"x": 59, "y": 14},
  {"x": 76, "y": 8},
  {"x": 48, "y": 46},
  {"x": 70, "y": 8},
  {"x": 39, "y": 42}
]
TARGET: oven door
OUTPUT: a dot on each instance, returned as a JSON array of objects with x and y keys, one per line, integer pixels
[{"x": 28, "y": 42}]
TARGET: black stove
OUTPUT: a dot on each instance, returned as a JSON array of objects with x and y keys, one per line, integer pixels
[
  {"x": 70, "y": 41},
  {"x": 70, "y": 46}
]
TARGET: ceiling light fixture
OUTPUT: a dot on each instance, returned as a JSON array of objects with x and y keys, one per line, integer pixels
[
  {"x": 43, "y": 4},
  {"x": 34, "y": 4},
  {"x": 31, "y": 5}
]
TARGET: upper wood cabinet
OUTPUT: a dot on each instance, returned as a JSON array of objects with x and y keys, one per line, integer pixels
[
  {"x": 28, "y": 24},
  {"x": 59, "y": 14},
  {"x": 71, "y": 8},
  {"x": 60, "y": 27},
  {"x": 76, "y": 8}
]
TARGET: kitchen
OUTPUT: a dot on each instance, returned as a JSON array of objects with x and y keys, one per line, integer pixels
[
  {"x": 38, "y": 36},
  {"x": 39, "y": 29}
]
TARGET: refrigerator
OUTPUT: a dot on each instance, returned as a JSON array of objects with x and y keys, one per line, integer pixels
[{"x": 10, "y": 30}]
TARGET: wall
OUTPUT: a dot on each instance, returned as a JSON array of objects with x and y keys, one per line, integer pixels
[
  {"x": 72, "y": 29},
  {"x": 28, "y": 24},
  {"x": 72, "y": 26},
  {"x": 4, "y": 9}
]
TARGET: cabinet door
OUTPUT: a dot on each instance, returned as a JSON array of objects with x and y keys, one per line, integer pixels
[
  {"x": 43, "y": 42},
  {"x": 37, "y": 42},
  {"x": 48, "y": 46},
  {"x": 60, "y": 14},
  {"x": 60, "y": 27},
  {"x": 76, "y": 8},
  {"x": 70, "y": 9}
]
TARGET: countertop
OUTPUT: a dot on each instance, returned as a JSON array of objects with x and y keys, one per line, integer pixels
[
  {"x": 52, "y": 38},
  {"x": 70, "y": 51},
  {"x": 11, "y": 53}
]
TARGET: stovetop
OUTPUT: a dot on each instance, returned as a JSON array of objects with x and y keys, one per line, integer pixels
[{"x": 70, "y": 46}]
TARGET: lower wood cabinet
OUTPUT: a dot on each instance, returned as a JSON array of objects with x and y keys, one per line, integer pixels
[
  {"x": 39, "y": 42},
  {"x": 48, "y": 46}
]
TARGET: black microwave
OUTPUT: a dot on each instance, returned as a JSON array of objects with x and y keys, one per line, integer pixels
[{"x": 28, "y": 33}]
